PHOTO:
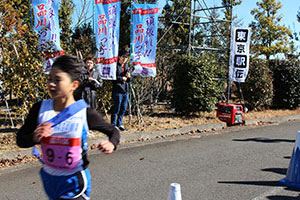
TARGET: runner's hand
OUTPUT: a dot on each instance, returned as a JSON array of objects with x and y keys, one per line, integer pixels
[
  {"x": 106, "y": 146},
  {"x": 43, "y": 130}
]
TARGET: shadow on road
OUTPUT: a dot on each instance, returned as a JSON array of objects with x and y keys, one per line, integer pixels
[
  {"x": 263, "y": 140},
  {"x": 278, "y": 197},
  {"x": 276, "y": 183},
  {"x": 258, "y": 183},
  {"x": 281, "y": 171}
]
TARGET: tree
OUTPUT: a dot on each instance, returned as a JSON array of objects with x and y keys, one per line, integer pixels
[
  {"x": 258, "y": 88},
  {"x": 65, "y": 22},
  {"x": 268, "y": 36},
  {"x": 82, "y": 40},
  {"x": 125, "y": 25},
  {"x": 215, "y": 32},
  {"x": 286, "y": 77},
  {"x": 229, "y": 4},
  {"x": 83, "y": 14},
  {"x": 210, "y": 33},
  {"x": 174, "y": 25},
  {"x": 194, "y": 87},
  {"x": 22, "y": 73},
  {"x": 295, "y": 33}
]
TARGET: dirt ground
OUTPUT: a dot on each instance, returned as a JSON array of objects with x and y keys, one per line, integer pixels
[
  {"x": 160, "y": 119},
  {"x": 164, "y": 119}
]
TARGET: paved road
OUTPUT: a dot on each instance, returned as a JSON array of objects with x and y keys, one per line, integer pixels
[{"x": 239, "y": 163}]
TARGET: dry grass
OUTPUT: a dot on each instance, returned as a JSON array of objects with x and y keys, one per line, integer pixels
[{"x": 164, "y": 119}]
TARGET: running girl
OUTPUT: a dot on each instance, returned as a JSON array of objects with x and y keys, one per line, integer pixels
[{"x": 61, "y": 126}]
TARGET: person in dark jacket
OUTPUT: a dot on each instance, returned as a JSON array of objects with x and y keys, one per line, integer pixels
[
  {"x": 90, "y": 81},
  {"x": 120, "y": 91}
]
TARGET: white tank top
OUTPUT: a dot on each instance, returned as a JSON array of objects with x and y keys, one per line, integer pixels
[{"x": 62, "y": 151}]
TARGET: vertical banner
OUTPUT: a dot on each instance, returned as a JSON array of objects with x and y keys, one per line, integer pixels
[
  {"x": 144, "y": 39},
  {"x": 46, "y": 25},
  {"x": 106, "y": 30},
  {"x": 240, "y": 58}
]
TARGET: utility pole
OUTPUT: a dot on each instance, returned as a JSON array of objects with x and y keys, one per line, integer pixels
[{"x": 229, "y": 57}]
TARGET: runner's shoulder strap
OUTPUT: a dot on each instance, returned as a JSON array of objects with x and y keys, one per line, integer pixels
[{"x": 68, "y": 112}]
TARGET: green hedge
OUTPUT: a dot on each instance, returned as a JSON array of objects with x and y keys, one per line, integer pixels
[
  {"x": 258, "y": 87},
  {"x": 195, "y": 88},
  {"x": 286, "y": 81}
]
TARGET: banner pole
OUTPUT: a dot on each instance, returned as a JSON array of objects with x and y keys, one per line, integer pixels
[
  {"x": 131, "y": 24},
  {"x": 229, "y": 56},
  {"x": 93, "y": 41},
  {"x": 130, "y": 51}
]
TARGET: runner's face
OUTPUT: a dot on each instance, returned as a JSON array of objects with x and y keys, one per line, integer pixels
[{"x": 60, "y": 84}]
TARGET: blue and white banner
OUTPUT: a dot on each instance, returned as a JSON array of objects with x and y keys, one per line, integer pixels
[
  {"x": 106, "y": 30},
  {"x": 144, "y": 39},
  {"x": 46, "y": 25},
  {"x": 240, "y": 58}
]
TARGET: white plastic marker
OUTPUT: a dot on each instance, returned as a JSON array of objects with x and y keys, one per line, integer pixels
[{"x": 174, "y": 193}]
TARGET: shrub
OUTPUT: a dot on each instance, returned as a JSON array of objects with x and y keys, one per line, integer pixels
[
  {"x": 104, "y": 99},
  {"x": 258, "y": 87},
  {"x": 286, "y": 83},
  {"x": 195, "y": 88}
]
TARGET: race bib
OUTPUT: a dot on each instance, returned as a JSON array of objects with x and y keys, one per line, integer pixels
[{"x": 61, "y": 153}]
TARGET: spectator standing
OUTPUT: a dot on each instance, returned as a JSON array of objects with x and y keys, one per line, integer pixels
[
  {"x": 120, "y": 91},
  {"x": 90, "y": 81}
]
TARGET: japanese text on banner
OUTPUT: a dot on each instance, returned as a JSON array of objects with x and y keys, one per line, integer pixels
[
  {"x": 240, "y": 54},
  {"x": 106, "y": 30},
  {"x": 46, "y": 25},
  {"x": 144, "y": 39}
]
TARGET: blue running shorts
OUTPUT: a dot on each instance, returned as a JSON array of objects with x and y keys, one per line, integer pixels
[{"x": 76, "y": 186}]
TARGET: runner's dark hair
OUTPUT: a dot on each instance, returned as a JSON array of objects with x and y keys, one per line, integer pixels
[{"x": 69, "y": 64}]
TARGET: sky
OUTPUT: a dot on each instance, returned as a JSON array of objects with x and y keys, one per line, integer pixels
[
  {"x": 288, "y": 11},
  {"x": 78, "y": 7}
]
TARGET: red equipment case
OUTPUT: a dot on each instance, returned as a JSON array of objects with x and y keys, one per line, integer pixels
[{"x": 232, "y": 114}]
